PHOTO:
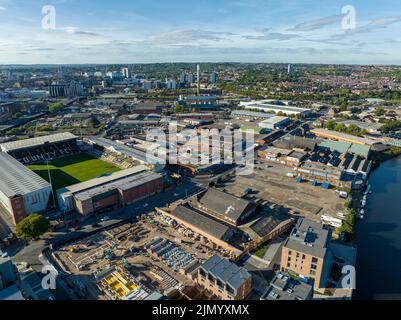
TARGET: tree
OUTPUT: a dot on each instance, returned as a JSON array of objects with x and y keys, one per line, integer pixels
[
  {"x": 54, "y": 107},
  {"x": 348, "y": 225},
  {"x": 390, "y": 125},
  {"x": 33, "y": 226},
  {"x": 380, "y": 111},
  {"x": 178, "y": 108},
  {"x": 94, "y": 122},
  {"x": 17, "y": 115}
]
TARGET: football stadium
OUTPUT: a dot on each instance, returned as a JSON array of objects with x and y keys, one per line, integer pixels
[
  {"x": 59, "y": 162},
  {"x": 73, "y": 169}
]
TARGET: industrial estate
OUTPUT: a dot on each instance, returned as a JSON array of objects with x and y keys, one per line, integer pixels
[
  {"x": 192, "y": 181},
  {"x": 121, "y": 226}
]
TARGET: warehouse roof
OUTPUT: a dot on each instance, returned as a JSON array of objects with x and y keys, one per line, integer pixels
[
  {"x": 291, "y": 142},
  {"x": 200, "y": 221},
  {"x": 255, "y": 114},
  {"x": 36, "y": 142},
  {"x": 226, "y": 204},
  {"x": 344, "y": 147},
  {"x": 343, "y": 136},
  {"x": 268, "y": 105},
  {"x": 226, "y": 271},
  {"x": 275, "y": 120},
  {"x": 16, "y": 179}
]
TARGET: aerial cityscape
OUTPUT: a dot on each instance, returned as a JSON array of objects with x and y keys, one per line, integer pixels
[{"x": 220, "y": 150}]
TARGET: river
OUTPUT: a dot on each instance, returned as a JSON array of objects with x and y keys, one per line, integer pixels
[{"x": 378, "y": 236}]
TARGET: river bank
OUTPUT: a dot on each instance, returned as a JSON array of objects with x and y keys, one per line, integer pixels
[{"x": 378, "y": 236}]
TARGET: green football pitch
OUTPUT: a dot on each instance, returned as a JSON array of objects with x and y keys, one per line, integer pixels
[{"x": 73, "y": 169}]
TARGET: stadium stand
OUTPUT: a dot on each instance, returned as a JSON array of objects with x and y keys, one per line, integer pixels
[{"x": 41, "y": 149}]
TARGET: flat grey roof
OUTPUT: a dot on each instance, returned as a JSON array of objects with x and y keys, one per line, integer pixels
[
  {"x": 16, "y": 179},
  {"x": 282, "y": 287},
  {"x": 226, "y": 271},
  {"x": 255, "y": 114},
  {"x": 207, "y": 224},
  {"x": 123, "y": 184},
  {"x": 345, "y": 136},
  {"x": 11, "y": 293},
  {"x": 102, "y": 180},
  {"x": 309, "y": 237},
  {"x": 35, "y": 142},
  {"x": 266, "y": 105}
]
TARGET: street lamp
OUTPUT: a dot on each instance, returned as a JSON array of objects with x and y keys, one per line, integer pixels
[{"x": 50, "y": 181}]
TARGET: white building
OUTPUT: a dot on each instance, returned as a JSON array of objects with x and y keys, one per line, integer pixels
[
  {"x": 275, "y": 106},
  {"x": 171, "y": 84},
  {"x": 275, "y": 122}
]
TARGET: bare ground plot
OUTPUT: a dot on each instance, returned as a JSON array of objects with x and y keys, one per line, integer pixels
[{"x": 269, "y": 182}]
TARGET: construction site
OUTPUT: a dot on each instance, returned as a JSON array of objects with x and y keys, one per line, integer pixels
[{"x": 136, "y": 260}]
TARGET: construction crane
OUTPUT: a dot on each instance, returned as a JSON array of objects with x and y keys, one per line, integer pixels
[
  {"x": 109, "y": 252},
  {"x": 127, "y": 265}
]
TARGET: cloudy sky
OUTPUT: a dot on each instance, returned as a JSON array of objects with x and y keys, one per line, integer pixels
[{"x": 141, "y": 31}]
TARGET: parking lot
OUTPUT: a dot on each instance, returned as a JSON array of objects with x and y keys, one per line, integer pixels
[{"x": 270, "y": 182}]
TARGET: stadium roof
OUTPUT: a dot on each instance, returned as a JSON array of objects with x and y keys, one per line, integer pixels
[
  {"x": 16, "y": 179},
  {"x": 226, "y": 271},
  {"x": 79, "y": 187},
  {"x": 36, "y": 142},
  {"x": 137, "y": 154}
]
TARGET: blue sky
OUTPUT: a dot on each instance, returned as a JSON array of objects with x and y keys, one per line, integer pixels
[{"x": 122, "y": 31}]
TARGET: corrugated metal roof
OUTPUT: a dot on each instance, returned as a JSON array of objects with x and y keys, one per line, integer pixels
[
  {"x": 16, "y": 179},
  {"x": 202, "y": 222},
  {"x": 225, "y": 204},
  {"x": 36, "y": 142}
]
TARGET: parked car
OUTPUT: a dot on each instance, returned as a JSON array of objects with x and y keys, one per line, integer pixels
[{"x": 105, "y": 218}]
